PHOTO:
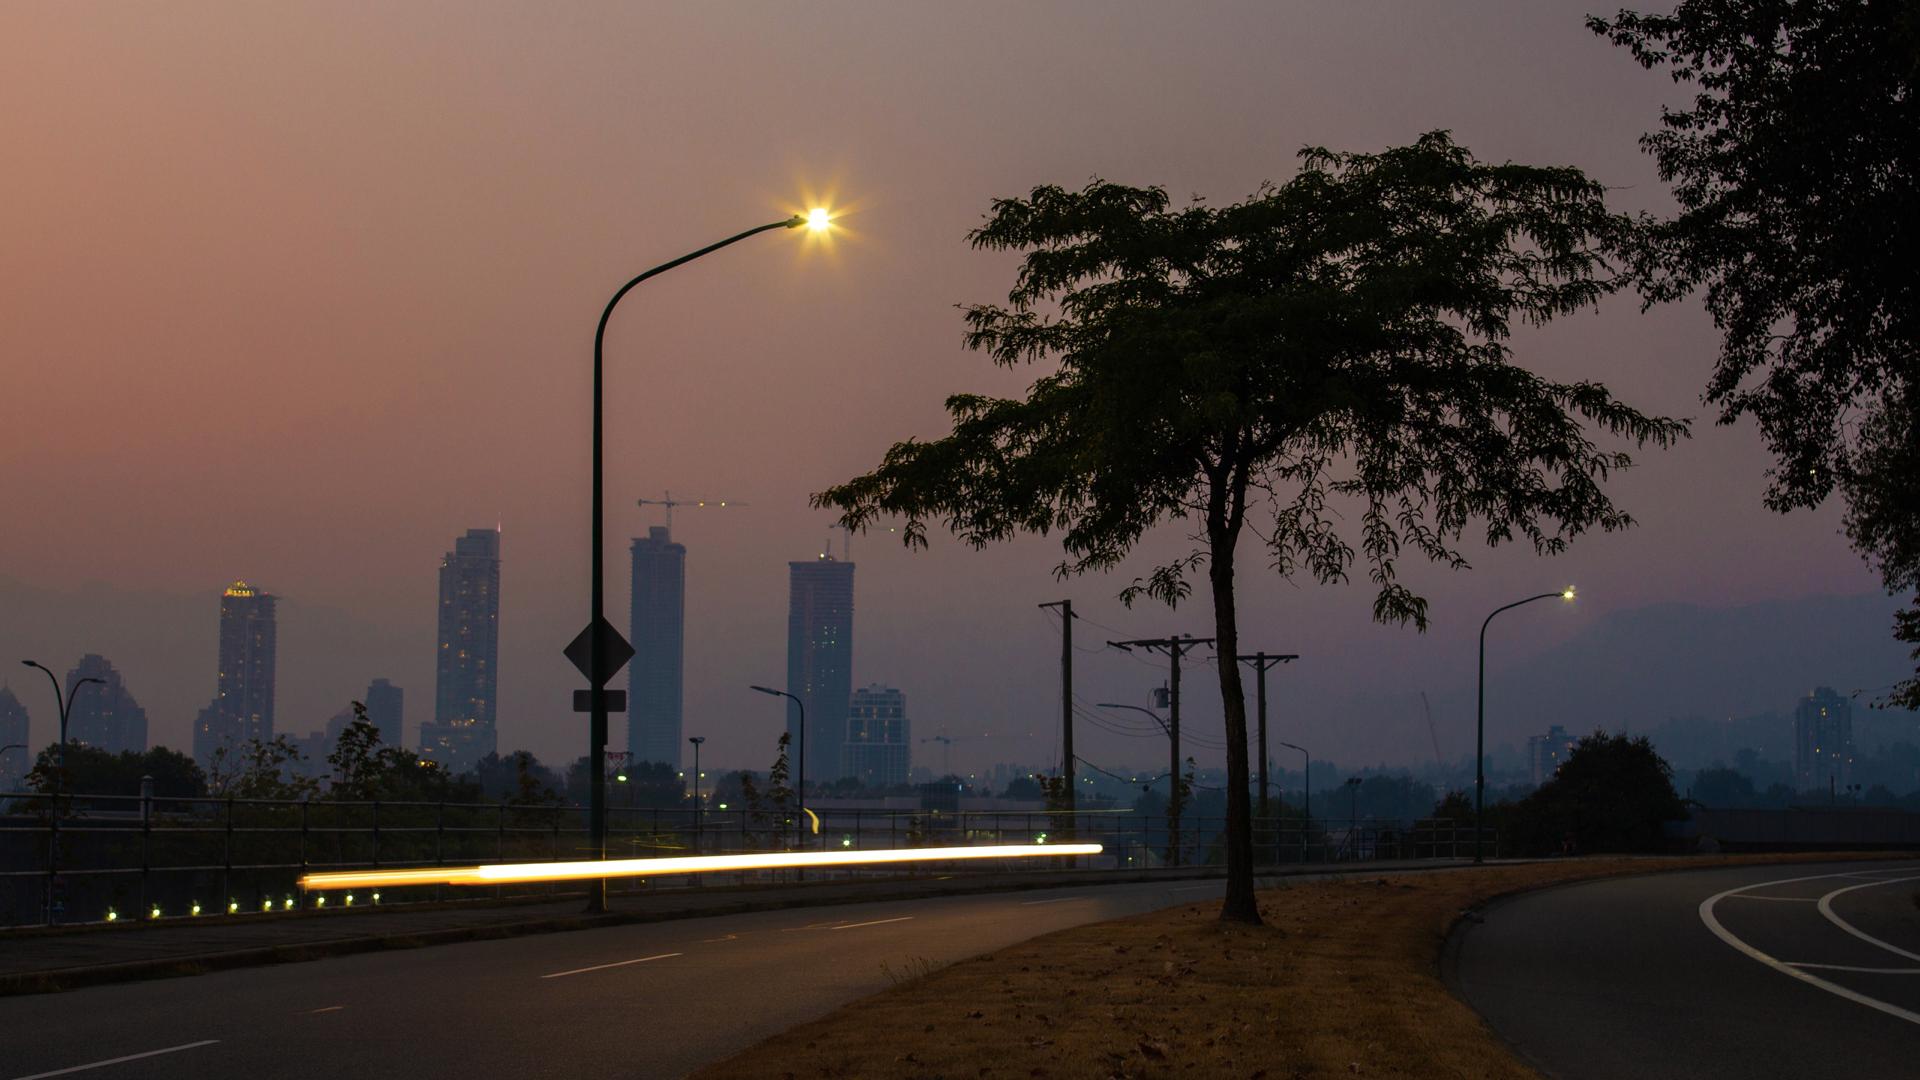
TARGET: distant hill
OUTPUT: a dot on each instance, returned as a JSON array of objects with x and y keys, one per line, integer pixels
[
  {"x": 166, "y": 646},
  {"x": 1641, "y": 667}
]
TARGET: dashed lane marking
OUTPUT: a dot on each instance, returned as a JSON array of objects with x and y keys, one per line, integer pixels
[{"x": 603, "y": 967}]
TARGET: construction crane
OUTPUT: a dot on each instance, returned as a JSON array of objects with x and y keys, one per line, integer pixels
[
  {"x": 667, "y": 500},
  {"x": 1434, "y": 733},
  {"x": 946, "y": 747},
  {"x": 846, "y": 542}
]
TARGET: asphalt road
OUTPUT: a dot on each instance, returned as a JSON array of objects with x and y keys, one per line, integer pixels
[
  {"x": 653, "y": 1000},
  {"x": 1805, "y": 971}
]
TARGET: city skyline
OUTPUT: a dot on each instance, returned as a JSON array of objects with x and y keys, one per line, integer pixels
[{"x": 433, "y": 341}]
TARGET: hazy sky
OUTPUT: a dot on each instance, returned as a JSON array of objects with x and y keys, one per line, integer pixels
[{"x": 298, "y": 293}]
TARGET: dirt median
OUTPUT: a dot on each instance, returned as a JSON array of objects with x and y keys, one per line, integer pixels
[{"x": 1343, "y": 981}]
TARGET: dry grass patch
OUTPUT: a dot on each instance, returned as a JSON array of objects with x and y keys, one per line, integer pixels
[{"x": 1343, "y": 981}]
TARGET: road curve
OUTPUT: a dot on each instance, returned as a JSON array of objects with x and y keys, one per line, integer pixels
[
  {"x": 1806, "y": 971},
  {"x": 643, "y": 1001}
]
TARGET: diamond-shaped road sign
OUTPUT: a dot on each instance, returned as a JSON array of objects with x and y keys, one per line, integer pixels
[{"x": 616, "y": 652}]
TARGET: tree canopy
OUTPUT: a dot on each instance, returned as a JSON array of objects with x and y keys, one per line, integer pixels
[
  {"x": 1797, "y": 170},
  {"x": 1338, "y": 339},
  {"x": 1613, "y": 794}
]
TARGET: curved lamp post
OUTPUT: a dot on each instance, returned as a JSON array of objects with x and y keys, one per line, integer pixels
[
  {"x": 600, "y": 652},
  {"x": 1480, "y": 726},
  {"x": 66, "y": 706},
  {"x": 1173, "y": 773},
  {"x": 53, "y": 818},
  {"x": 800, "y": 779}
]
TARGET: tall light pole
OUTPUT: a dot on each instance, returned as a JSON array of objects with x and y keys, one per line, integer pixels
[
  {"x": 1306, "y": 778},
  {"x": 696, "y": 740},
  {"x": 1173, "y": 774},
  {"x": 800, "y": 780},
  {"x": 1306, "y": 800},
  {"x": 66, "y": 705},
  {"x": 599, "y": 651},
  {"x": 1480, "y": 727},
  {"x": 53, "y": 818}
]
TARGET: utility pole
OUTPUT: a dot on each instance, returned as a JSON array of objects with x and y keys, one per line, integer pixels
[
  {"x": 1175, "y": 648},
  {"x": 1066, "y": 712},
  {"x": 1066, "y": 694},
  {"x": 1261, "y": 662}
]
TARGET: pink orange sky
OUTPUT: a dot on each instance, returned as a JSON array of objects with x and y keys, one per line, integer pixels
[{"x": 298, "y": 293}]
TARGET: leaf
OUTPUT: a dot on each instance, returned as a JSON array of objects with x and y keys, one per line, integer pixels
[{"x": 1156, "y": 1050}]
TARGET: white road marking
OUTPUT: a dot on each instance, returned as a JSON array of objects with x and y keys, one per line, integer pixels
[
  {"x": 1721, "y": 932},
  {"x": 118, "y": 1060},
  {"x": 1055, "y": 900},
  {"x": 875, "y": 922},
  {"x": 1871, "y": 971},
  {"x": 603, "y": 967},
  {"x": 1826, "y": 908},
  {"x": 1789, "y": 899}
]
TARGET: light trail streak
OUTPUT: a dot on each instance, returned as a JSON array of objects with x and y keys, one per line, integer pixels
[{"x": 516, "y": 873}]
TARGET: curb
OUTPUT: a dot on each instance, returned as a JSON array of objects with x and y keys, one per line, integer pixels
[{"x": 59, "y": 979}]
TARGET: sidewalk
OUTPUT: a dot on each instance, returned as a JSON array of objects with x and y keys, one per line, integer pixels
[{"x": 45, "y": 959}]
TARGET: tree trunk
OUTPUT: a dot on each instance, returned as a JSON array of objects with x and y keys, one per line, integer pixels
[{"x": 1240, "y": 906}]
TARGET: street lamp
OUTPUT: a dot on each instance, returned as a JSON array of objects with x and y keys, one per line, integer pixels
[
  {"x": 599, "y": 651},
  {"x": 800, "y": 783},
  {"x": 696, "y": 741},
  {"x": 66, "y": 706},
  {"x": 1480, "y": 726},
  {"x": 53, "y": 818},
  {"x": 1173, "y": 775},
  {"x": 1306, "y": 778}
]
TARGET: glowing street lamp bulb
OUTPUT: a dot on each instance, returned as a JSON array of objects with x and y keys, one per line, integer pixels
[
  {"x": 818, "y": 219},
  {"x": 1568, "y": 595}
]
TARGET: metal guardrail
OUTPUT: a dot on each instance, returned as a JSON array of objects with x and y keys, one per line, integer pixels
[{"x": 111, "y": 857}]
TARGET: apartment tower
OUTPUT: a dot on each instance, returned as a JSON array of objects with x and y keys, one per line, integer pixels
[
  {"x": 466, "y": 679},
  {"x": 659, "y": 626},
  {"x": 820, "y": 659}
]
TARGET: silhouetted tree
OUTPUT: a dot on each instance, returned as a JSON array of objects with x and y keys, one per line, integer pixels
[
  {"x": 1613, "y": 794},
  {"x": 93, "y": 771},
  {"x": 1336, "y": 339},
  {"x": 1796, "y": 171}
]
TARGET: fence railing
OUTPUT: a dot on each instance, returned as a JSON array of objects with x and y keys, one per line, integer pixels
[{"x": 117, "y": 857}]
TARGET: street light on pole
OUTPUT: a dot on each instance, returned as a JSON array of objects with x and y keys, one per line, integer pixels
[
  {"x": 599, "y": 651},
  {"x": 696, "y": 741},
  {"x": 800, "y": 781},
  {"x": 1480, "y": 726},
  {"x": 53, "y": 818}
]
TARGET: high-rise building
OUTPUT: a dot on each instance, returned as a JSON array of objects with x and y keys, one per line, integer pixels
[
  {"x": 383, "y": 702},
  {"x": 242, "y": 707},
  {"x": 820, "y": 659},
  {"x": 1546, "y": 753},
  {"x": 466, "y": 682},
  {"x": 1823, "y": 740},
  {"x": 15, "y": 732},
  {"x": 102, "y": 714},
  {"x": 878, "y": 751},
  {"x": 659, "y": 624}
]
